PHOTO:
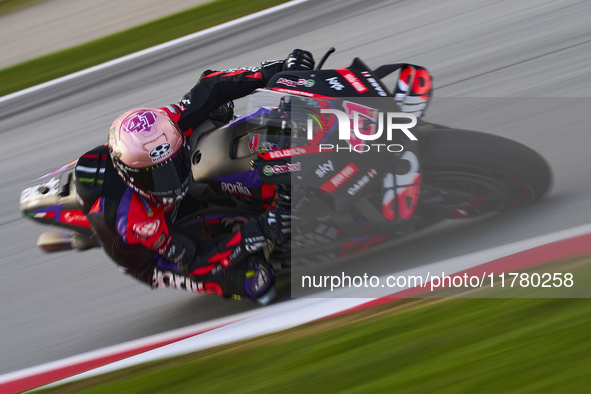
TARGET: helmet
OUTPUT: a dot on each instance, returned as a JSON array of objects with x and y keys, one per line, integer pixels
[{"x": 151, "y": 154}]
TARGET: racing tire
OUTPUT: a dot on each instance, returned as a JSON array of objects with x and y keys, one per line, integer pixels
[{"x": 504, "y": 173}]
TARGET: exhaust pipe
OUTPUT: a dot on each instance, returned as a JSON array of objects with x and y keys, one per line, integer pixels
[{"x": 55, "y": 241}]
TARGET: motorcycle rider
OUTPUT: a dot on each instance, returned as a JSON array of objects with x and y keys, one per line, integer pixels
[{"x": 130, "y": 190}]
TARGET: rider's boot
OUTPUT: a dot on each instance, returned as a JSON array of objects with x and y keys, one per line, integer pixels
[{"x": 252, "y": 280}]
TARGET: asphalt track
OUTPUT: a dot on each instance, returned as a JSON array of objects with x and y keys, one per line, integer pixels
[{"x": 513, "y": 68}]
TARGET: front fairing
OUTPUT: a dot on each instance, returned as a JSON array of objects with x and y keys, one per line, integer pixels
[{"x": 51, "y": 200}]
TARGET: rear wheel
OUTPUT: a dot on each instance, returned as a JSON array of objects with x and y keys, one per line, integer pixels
[
  {"x": 499, "y": 173},
  {"x": 477, "y": 172}
]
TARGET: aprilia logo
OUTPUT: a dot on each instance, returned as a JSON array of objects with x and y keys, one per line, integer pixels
[{"x": 237, "y": 189}]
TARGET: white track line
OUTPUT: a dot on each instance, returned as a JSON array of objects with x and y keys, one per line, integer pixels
[
  {"x": 461, "y": 263},
  {"x": 277, "y": 317},
  {"x": 154, "y": 49}
]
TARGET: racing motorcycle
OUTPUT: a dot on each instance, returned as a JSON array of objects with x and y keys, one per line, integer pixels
[{"x": 351, "y": 193}]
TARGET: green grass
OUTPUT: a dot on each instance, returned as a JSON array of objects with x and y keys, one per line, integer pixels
[
  {"x": 410, "y": 346},
  {"x": 55, "y": 65},
  {"x": 7, "y": 6}
]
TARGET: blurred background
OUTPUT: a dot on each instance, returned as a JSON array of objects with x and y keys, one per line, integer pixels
[{"x": 528, "y": 60}]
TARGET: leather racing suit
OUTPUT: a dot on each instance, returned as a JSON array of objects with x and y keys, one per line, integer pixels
[{"x": 142, "y": 237}]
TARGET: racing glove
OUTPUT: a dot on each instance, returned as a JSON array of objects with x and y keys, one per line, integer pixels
[
  {"x": 276, "y": 224},
  {"x": 270, "y": 68},
  {"x": 224, "y": 113},
  {"x": 218, "y": 254},
  {"x": 230, "y": 250},
  {"x": 299, "y": 59}
]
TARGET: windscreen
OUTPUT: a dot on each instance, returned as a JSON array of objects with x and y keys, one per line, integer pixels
[{"x": 277, "y": 120}]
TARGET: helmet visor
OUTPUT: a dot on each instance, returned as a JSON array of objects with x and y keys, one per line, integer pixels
[{"x": 168, "y": 179}]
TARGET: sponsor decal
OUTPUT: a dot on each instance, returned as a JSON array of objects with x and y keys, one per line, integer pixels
[
  {"x": 412, "y": 90},
  {"x": 364, "y": 180},
  {"x": 252, "y": 240},
  {"x": 281, "y": 169},
  {"x": 340, "y": 178},
  {"x": 159, "y": 242},
  {"x": 75, "y": 218},
  {"x": 262, "y": 279},
  {"x": 375, "y": 84},
  {"x": 186, "y": 101},
  {"x": 34, "y": 193},
  {"x": 147, "y": 206},
  {"x": 353, "y": 80},
  {"x": 145, "y": 230},
  {"x": 160, "y": 152},
  {"x": 405, "y": 188},
  {"x": 335, "y": 83},
  {"x": 254, "y": 142},
  {"x": 324, "y": 169},
  {"x": 235, "y": 253},
  {"x": 289, "y": 152},
  {"x": 42, "y": 215},
  {"x": 140, "y": 122},
  {"x": 254, "y": 244},
  {"x": 256, "y": 145},
  {"x": 231, "y": 71},
  {"x": 165, "y": 279},
  {"x": 236, "y": 189},
  {"x": 268, "y": 63},
  {"x": 298, "y": 92},
  {"x": 294, "y": 84},
  {"x": 171, "y": 252},
  {"x": 251, "y": 69},
  {"x": 172, "y": 109}
]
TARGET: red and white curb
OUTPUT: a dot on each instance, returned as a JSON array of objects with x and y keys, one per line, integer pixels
[{"x": 539, "y": 250}]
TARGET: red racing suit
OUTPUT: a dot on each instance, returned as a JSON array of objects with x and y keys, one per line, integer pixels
[{"x": 142, "y": 237}]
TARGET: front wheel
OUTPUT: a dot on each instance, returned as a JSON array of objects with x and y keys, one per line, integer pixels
[{"x": 497, "y": 172}]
